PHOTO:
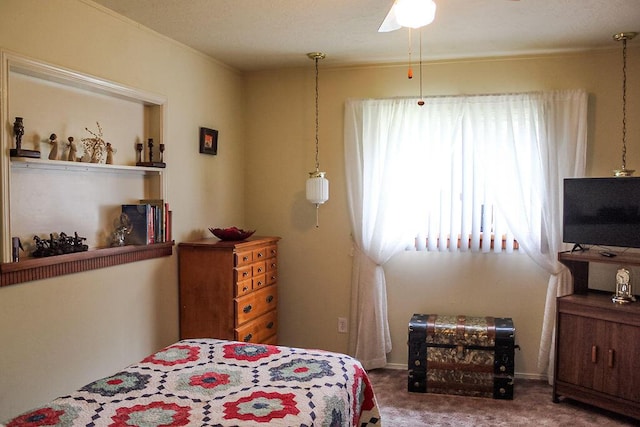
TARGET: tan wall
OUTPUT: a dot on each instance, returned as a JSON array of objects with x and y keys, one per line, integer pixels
[
  {"x": 59, "y": 334},
  {"x": 316, "y": 265}
]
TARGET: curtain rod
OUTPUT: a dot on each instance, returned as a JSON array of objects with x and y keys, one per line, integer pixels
[{"x": 478, "y": 95}]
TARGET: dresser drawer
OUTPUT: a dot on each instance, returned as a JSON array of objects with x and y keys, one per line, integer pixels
[
  {"x": 244, "y": 287},
  {"x": 250, "y": 306},
  {"x": 272, "y": 340},
  {"x": 260, "y": 254},
  {"x": 272, "y": 277},
  {"x": 259, "y": 282},
  {"x": 272, "y": 251},
  {"x": 242, "y": 273},
  {"x": 257, "y": 330},
  {"x": 243, "y": 258},
  {"x": 259, "y": 268}
]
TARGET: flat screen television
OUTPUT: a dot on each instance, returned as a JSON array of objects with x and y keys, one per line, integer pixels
[{"x": 602, "y": 212}]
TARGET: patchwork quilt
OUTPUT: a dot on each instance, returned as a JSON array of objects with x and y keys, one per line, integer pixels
[{"x": 210, "y": 382}]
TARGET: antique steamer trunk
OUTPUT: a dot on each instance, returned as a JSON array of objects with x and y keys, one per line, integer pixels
[{"x": 471, "y": 356}]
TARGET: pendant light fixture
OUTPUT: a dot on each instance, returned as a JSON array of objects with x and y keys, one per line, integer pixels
[
  {"x": 623, "y": 37},
  {"x": 317, "y": 184}
]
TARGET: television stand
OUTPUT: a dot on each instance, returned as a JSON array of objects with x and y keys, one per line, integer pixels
[{"x": 597, "y": 341}]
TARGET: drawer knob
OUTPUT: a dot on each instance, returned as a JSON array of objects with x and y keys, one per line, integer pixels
[
  {"x": 245, "y": 289},
  {"x": 269, "y": 325},
  {"x": 245, "y": 258},
  {"x": 245, "y": 274},
  {"x": 259, "y": 269},
  {"x": 248, "y": 338},
  {"x": 247, "y": 308},
  {"x": 259, "y": 283},
  {"x": 259, "y": 254},
  {"x": 273, "y": 265},
  {"x": 270, "y": 298}
]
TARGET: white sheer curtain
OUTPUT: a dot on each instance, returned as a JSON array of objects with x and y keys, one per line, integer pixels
[
  {"x": 402, "y": 161},
  {"x": 376, "y": 177}
]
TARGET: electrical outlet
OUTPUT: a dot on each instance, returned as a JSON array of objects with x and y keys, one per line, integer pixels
[{"x": 343, "y": 326}]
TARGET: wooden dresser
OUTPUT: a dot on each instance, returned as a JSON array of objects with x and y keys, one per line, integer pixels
[{"x": 228, "y": 290}]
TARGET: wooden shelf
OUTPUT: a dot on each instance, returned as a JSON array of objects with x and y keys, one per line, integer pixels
[
  {"x": 630, "y": 257},
  {"x": 25, "y": 162},
  {"x": 44, "y": 268},
  {"x": 578, "y": 264},
  {"x": 67, "y": 191}
]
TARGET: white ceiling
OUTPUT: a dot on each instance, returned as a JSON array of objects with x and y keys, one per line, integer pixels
[{"x": 266, "y": 34}]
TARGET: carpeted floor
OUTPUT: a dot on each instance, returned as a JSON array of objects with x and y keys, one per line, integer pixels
[{"x": 531, "y": 406}]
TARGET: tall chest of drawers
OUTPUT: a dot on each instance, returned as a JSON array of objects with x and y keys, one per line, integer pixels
[{"x": 228, "y": 290}]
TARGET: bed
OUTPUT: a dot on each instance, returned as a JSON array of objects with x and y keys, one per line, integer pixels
[{"x": 209, "y": 382}]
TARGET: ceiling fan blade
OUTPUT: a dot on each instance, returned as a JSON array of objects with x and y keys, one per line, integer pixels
[{"x": 390, "y": 22}]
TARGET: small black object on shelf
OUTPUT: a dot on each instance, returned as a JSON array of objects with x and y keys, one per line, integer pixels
[
  {"x": 150, "y": 163},
  {"x": 18, "y": 131},
  {"x": 16, "y": 247},
  {"x": 63, "y": 244},
  {"x": 607, "y": 254}
]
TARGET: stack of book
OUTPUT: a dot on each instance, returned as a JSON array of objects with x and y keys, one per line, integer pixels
[{"x": 150, "y": 222}]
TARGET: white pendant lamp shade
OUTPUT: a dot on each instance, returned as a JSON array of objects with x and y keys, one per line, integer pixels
[
  {"x": 317, "y": 188},
  {"x": 409, "y": 14}
]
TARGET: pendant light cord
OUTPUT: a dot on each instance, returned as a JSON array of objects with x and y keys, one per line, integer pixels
[
  {"x": 410, "y": 70},
  {"x": 421, "y": 65},
  {"x": 624, "y": 103},
  {"x": 317, "y": 120}
]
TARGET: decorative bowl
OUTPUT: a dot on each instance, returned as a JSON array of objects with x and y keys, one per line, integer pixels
[{"x": 231, "y": 233}]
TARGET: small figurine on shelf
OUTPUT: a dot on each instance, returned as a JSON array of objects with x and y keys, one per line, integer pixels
[
  {"x": 110, "y": 152},
  {"x": 77, "y": 244},
  {"x": 62, "y": 244},
  {"x": 16, "y": 247},
  {"x": 18, "y": 132},
  {"x": 54, "y": 154},
  {"x": 150, "y": 145},
  {"x": 139, "y": 158},
  {"x": 122, "y": 229},
  {"x": 161, "y": 146},
  {"x": 73, "y": 150}
]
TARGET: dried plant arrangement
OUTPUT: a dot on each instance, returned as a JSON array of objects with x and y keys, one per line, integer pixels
[{"x": 95, "y": 148}]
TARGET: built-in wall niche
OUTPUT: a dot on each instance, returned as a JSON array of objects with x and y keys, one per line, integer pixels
[{"x": 40, "y": 196}]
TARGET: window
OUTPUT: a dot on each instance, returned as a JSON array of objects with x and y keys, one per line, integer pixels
[
  {"x": 528, "y": 144},
  {"x": 457, "y": 166}
]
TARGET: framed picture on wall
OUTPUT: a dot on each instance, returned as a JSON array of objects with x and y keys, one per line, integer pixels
[{"x": 208, "y": 141}]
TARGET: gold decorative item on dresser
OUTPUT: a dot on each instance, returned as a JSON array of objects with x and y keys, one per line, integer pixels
[{"x": 228, "y": 289}]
